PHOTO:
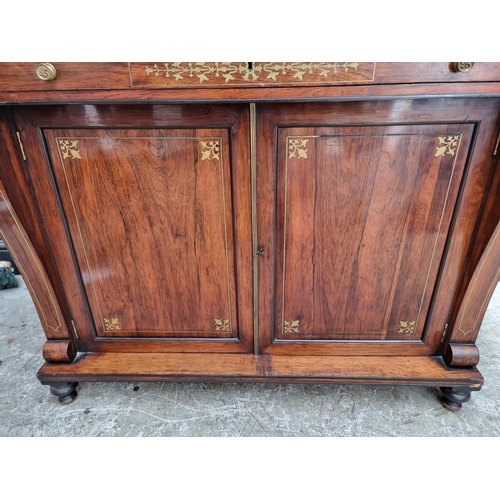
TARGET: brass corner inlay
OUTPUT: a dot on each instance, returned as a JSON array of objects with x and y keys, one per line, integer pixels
[
  {"x": 221, "y": 325},
  {"x": 407, "y": 327},
  {"x": 210, "y": 150},
  {"x": 447, "y": 145},
  {"x": 297, "y": 148},
  {"x": 111, "y": 324},
  {"x": 69, "y": 149},
  {"x": 291, "y": 326}
]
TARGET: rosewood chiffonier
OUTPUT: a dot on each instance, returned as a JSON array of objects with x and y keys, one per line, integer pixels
[{"x": 254, "y": 221}]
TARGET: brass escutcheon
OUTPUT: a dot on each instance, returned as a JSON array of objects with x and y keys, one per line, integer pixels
[{"x": 46, "y": 71}]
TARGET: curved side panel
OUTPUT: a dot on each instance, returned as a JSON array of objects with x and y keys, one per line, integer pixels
[
  {"x": 31, "y": 268},
  {"x": 478, "y": 293}
]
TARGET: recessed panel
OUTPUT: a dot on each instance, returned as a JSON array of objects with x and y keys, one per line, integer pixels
[
  {"x": 363, "y": 217},
  {"x": 150, "y": 218}
]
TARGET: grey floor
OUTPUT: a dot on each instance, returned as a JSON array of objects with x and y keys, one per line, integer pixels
[{"x": 228, "y": 409}]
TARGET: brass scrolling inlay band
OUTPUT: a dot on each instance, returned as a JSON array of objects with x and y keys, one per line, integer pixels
[
  {"x": 221, "y": 325},
  {"x": 245, "y": 73},
  {"x": 447, "y": 145},
  {"x": 291, "y": 326},
  {"x": 297, "y": 148},
  {"x": 111, "y": 324},
  {"x": 69, "y": 149},
  {"x": 407, "y": 327},
  {"x": 210, "y": 150}
]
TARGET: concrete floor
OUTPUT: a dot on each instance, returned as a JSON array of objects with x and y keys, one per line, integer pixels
[{"x": 228, "y": 409}]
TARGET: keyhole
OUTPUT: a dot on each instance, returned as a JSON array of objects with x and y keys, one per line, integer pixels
[{"x": 250, "y": 65}]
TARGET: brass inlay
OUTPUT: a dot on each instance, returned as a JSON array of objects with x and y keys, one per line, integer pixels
[
  {"x": 447, "y": 145},
  {"x": 87, "y": 260},
  {"x": 476, "y": 279},
  {"x": 458, "y": 138},
  {"x": 111, "y": 324},
  {"x": 24, "y": 274},
  {"x": 221, "y": 325},
  {"x": 255, "y": 259},
  {"x": 75, "y": 330},
  {"x": 299, "y": 70},
  {"x": 407, "y": 327},
  {"x": 237, "y": 73},
  {"x": 297, "y": 148},
  {"x": 21, "y": 147},
  {"x": 69, "y": 149},
  {"x": 291, "y": 326},
  {"x": 210, "y": 150},
  {"x": 496, "y": 146}
]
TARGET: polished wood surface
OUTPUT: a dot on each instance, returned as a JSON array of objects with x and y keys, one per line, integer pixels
[
  {"x": 177, "y": 225},
  {"x": 282, "y": 94},
  {"x": 374, "y": 228},
  {"x": 166, "y": 239},
  {"x": 59, "y": 351},
  {"x": 231, "y": 367},
  {"x": 465, "y": 195},
  {"x": 23, "y": 252},
  {"x": 363, "y": 215},
  {"x": 479, "y": 292},
  {"x": 84, "y": 76}
]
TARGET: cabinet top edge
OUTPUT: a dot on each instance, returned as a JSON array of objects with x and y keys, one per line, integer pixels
[{"x": 64, "y": 81}]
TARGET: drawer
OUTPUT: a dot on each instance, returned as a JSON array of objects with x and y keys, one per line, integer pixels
[
  {"x": 276, "y": 74},
  {"x": 95, "y": 76},
  {"x": 69, "y": 76}
]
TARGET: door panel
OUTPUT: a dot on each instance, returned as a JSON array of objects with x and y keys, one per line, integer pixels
[
  {"x": 363, "y": 216},
  {"x": 356, "y": 203},
  {"x": 151, "y": 211}
]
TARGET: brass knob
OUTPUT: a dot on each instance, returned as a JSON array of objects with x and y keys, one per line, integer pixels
[
  {"x": 45, "y": 71},
  {"x": 462, "y": 67}
]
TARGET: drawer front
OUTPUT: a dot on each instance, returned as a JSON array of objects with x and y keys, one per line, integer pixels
[
  {"x": 69, "y": 76},
  {"x": 156, "y": 75},
  {"x": 312, "y": 74}
]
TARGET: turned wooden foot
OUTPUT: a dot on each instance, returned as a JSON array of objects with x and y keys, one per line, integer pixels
[
  {"x": 453, "y": 398},
  {"x": 65, "y": 391}
]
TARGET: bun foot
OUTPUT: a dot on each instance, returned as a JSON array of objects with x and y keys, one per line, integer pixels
[
  {"x": 452, "y": 399},
  {"x": 65, "y": 391}
]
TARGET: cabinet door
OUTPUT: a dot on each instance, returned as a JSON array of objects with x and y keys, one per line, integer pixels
[
  {"x": 156, "y": 205},
  {"x": 361, "y": 212}
]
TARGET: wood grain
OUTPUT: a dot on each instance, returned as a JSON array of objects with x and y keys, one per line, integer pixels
[
  {"x": 26, "y": 258},
  {"x": 167, "y": 240},
  {"x": 230, "y": 367},
  {"x": 420, "y": 227}
]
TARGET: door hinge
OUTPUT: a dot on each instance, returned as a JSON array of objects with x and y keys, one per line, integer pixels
[
  {"x": 496, "y": 146},
  {"x": 444, "y": 332},
  {"x": 75, "y": 330},
  {"x": 21, "y": 147}
]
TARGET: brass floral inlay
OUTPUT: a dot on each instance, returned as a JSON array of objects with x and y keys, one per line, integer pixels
[
  {"x": 407, "y": 327},
  {"x": 447, "y": 145},
  {"x": 111, "y": 324},
  {"x": 292, "y": 326},
  {"x": 210, "y": 150},
  {"x": 209, "y": 72},
  {"x": 221, "y": 325},
  {"x": 69, "y": 149},
  {"x": 297, "y": 148},
  {"x": 299, "y": 70}
]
